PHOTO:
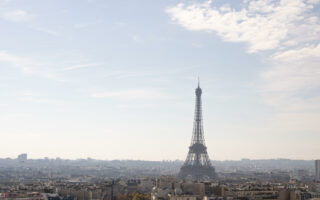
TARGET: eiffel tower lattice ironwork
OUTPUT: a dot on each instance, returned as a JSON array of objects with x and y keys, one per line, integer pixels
[{"x": 197, "y": 165}]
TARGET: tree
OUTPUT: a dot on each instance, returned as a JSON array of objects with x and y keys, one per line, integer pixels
[{"x": 134, "y": 196}]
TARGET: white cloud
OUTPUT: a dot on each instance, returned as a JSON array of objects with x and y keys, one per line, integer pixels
[
  {"x": 287, "y": 27},
  {"x": 31, "y": 67},
  {"x": 48, "y": 31},
  {"x": 293, "y": 73},
  {"x": 120, "y": 74},
  {"x": 88, "y": 25},
  {"x": 263, "y": 24},
  {"x": 16, "y": 16},
  {"x": 38, "y": 100},
  {"x": 313, "y": 1},
  {"x": 30, "y": 97},
  {"x": 137, "y": 38},
  {"x": 289, "y": 30},
  {"x": 293, "y": 80},
  {"x": 79, "y": 66},
  {"x": 301, "y": 54},
  {"x": 141, "y": 93},
  {"x": 23, "y": 64},
  {"x": 19, "y": 15}
]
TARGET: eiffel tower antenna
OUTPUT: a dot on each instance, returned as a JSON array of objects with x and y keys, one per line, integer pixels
[{"x": 197, "y": 165}]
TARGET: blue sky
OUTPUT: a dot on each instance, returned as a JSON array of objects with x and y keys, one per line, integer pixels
[{"x": 116, "y": 79}]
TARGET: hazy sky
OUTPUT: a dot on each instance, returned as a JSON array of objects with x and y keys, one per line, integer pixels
[{"x": 115, "y": 79}]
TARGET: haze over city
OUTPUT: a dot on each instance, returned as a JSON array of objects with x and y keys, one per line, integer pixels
[{"x": 116, "y": 79}]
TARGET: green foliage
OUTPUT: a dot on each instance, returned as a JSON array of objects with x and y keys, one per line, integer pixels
[{"x": 134, "y": 196}]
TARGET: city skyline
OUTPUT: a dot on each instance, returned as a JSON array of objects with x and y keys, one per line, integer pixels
[{"x": 115, "y": 80}]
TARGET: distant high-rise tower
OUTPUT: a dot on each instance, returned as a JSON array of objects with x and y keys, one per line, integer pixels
[
  {"x": 197, "y": 164},
  {"x": 22, "y": 157},
  {"x": 317, "y": 165}
]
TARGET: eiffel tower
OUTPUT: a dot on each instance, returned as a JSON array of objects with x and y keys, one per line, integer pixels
[{"x": 197, "y": 165}]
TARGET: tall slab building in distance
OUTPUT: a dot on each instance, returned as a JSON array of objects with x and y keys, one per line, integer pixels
[
  {"x": 197, "y": 165},
  {"x": 317, "y": 167}
]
